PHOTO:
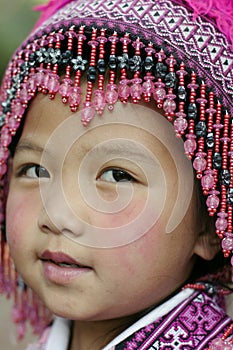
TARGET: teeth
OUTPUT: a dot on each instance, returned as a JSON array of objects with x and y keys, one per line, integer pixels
[{"x": 67, "y": 265}]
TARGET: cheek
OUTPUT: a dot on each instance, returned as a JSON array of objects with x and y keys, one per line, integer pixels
[
  {"x": 123, "y": 214},
  {"x": 19, "y": 215},
  {"x": 139, "y": 257}
]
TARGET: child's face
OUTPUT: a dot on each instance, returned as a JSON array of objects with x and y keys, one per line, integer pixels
[{"x": 75, "y": 204}]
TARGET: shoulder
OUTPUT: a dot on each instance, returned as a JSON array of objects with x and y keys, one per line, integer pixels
[{"x": 195, "y": 321}]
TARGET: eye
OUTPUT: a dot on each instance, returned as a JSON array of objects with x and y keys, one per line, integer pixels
[
  {"x": 116, "y": 175},
  {"x": 33, "y": 171}
]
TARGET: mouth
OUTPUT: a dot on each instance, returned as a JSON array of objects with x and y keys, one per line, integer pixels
[
  {"x": 61, "y": 269},
  {"x": 61, "y": 259}
]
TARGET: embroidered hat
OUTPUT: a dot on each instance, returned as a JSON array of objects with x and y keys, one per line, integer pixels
[{"x": 177, "y": 54}]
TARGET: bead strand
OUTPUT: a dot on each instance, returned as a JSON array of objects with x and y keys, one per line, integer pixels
[
  {"x": 88, "y": 110},
  {"x": 99, "y": 99},
  {"x": 190, "y": 144},
  {"x": 169, "y": 105},
  {"x": 148, "y": 85},
  {"x": 181, "y": 124}
]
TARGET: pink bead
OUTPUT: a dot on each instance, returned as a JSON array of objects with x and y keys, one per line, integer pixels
[
  {"x": 31, "y": 84},
  {"x": 17, "y": 314},
  {"x": 159, "y": 94},
  {"x": 75, "y": 96},
  {"x": 9, "y": 288},
  {"x": 3, "y": 153},
  {"x": 227, "y": 243},
  {"x": 65, "y": 88},
  {"x": 99, "y": 101},
  {"x": 212, "y": 201},
  {"x": 169, "y": 106},
  {"x": 32, "y": 314},
  {"x": 24, "y": 95},
  {"x": 148, "y": 86},
  {"x": 124, "y": 91},
  {"x": 136, "y": 91},
  {"x": 21, "y": 330},
  {"x": 207, "y": 181},
  {"x": 13, "y": 123},
  {"x": 5, "y": 139},
  {"x": 17, "y": 108},
  {"x": 45, "y": 81},
  {"x": 39, "y": 77},
  {"x": 190, "y": 145},
  {"x": 180, "y": 124},
  {"x": 53, "y": 83},
  {"x": 199, "y": 164},
  {"x": 87, "y": 113},
  {"x": 111, "y": 95},
  {"x": 221, "y": 224}
]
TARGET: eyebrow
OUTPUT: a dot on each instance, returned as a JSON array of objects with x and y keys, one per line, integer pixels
[
  {"x": 126, "y": 151},
  {"x": 25, "y": 146}
]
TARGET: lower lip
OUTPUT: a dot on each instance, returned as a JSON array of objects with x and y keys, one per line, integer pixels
[{"x": 62, "y": 275}]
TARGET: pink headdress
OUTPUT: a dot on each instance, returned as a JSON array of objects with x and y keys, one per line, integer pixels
[{"x": 177, "y": 53}]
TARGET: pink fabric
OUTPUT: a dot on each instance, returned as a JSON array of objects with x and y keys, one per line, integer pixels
[
  {"x": 49, "y": 9},
  {"x": 221, "y": 11}
]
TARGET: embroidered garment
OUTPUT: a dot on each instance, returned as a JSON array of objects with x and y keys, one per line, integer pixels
[{"x": 189, "y": 320}]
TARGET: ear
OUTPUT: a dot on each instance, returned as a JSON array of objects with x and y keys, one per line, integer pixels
[{"x": 207, "y": 245}]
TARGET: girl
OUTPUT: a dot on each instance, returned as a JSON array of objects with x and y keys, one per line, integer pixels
[{"x": 105, "y": 219}]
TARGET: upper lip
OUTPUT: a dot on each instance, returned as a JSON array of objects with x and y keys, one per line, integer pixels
[{"x": 59, "y": 257}]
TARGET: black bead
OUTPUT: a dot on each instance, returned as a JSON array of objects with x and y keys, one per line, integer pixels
[
  {"x": 6, "y": 106},
  {"x": 32, "y": 57},
  {"x": 210, "y": 140},
  {"x": 225, "y": 177},
  {"x": 181, "y": 93},
  {"x": 91, "y": 75},
  {"x": 148, "y": 63},
  {"x": 192, "y": 111},
  {"x": 54, "y": 56},
  {"x": 200, "y": 129},
  {"x": 41, "y": 55},
  {"x": 217, "y": 160},
  {"x": 123, "y": 61},
  {"x": 135, "y": 63},
  {"x": 66, "y": 57},
  {"x": 2, "y": 119},
  {"x": 160, "y": 70},
  {"x": 101, "y": 66},
  {"x": 170, "y": 80},
  {"x": 230, "y": 196},
  {"x": 112, "y": 62}
]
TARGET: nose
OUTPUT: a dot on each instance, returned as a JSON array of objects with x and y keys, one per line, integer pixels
[{"x": 58, "y": 213}]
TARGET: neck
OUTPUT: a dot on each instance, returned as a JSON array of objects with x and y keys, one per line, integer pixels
[{"x": 95, "y": 335}]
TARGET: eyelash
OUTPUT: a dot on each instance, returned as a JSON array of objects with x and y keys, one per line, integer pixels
[
  {"x": 118, "y": 175},
  {"x": 123, "y": 176},
  {"x": 38, "y": 172}
]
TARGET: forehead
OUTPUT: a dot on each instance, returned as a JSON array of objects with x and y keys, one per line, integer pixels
[{"x": 136, "y": 122}]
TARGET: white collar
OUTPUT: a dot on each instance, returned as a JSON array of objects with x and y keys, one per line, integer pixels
[{"x": 59, "y": 335}]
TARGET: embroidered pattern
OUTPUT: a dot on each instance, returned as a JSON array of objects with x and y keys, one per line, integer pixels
[
  {"x": 205, "y": 48},
  {"x": 193, "y": 324}
]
